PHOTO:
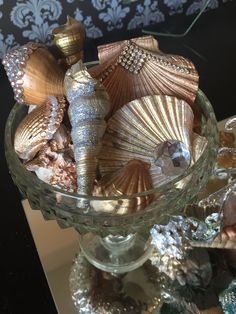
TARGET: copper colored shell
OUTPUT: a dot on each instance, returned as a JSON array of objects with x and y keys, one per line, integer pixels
[
  {"x": 34, "y": 74},
  {"x": 38, "y": 127},
  {"x": 135, "y": 131},
  {"x": 135, "y": 68},
  {"x": 69, "y": 38},
  {"x": 132, "y": 178}
]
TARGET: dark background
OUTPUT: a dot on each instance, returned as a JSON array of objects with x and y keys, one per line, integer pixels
[{"x": 211, "y": 45}]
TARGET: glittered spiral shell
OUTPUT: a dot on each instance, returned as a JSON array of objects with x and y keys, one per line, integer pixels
[
  {"x": 38, "y": 127},
  {"x": 89, "y": 104},
  {"x": 33, "y": 73},
  {"x": 135, "y": 68}
]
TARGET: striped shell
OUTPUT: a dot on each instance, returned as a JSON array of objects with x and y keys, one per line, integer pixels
[
  {"x": 135, "y": 131},
  {"x": 38, "y": 127},
  {"x": 132, "y": 178},
  {"x": 135, "y": 68}
]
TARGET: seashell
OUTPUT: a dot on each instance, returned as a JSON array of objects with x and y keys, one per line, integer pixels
[
  {"x": 132, "y": 178},
  {"x": 61, "y": 140},
  {"x": 56, "y": 169},
  {"x": 135, "y": 68},
  {"x": 89, "y": 104},
  {"x": 38, "y": 127},
  {"x": 212, "y": 310},
  {"x": 138, "y": 128},
  {"x": 69, "y": 38},
  {"x": 33, "y": 73}
]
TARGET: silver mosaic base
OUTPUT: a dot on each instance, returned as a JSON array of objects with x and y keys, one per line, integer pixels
[{"x": 94, "y": 291}]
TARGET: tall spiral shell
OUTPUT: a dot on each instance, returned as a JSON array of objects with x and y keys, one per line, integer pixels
[
  {"x": 131, "y": 179},
  {"x": 89, "y": 104},
  {"x": 33, "y": 73},
  {"x": 138, "y": 128},
  {"x": 135, "y": 68},
  {"x": 38, "y": 127}
]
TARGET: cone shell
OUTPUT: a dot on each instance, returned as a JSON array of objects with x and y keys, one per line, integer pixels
[
  {"x": 34, "y": 74},
  {"x": 135, "y": 131},
  {"x": 69, "y": 38},
  {"x": 38, "y": 127},
  {"x": 89, "y": 104},
  {"x": 135, "y": 68},
  {"x": 132, "y": 178}
]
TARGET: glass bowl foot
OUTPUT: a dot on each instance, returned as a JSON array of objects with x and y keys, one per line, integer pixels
[{"x": 95, "y": 291}]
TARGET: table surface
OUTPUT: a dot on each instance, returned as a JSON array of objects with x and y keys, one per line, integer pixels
[{"x": 211, "y": 45}]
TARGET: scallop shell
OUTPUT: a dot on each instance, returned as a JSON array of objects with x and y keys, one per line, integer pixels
[
  {"x": 89, "y": 104},
  {"x": 135, "y": 131},
  {"x": 33, "y": 73},
  {"x": 135, "y": 68},
  {"x": 69, "y": 38},
  {"x": 38, "y": 127},
  {"x": 132, "y": 178}
]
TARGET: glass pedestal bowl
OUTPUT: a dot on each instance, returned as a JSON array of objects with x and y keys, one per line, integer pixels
[{"x": 116, "y": 244}]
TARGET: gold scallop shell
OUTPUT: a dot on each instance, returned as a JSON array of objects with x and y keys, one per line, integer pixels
[
  {"x": 135, "y": 131},
  {"x": 38, "y": 127},
  {"x": 34, "y": 74},
  {"x": 132, "y": 178},
  {"x": 69, "y": 38},
  {"x": 135, "y": 68}
]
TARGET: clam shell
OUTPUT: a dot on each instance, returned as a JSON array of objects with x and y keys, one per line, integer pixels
[
  {"x": 34, "y": 74},
  {"x": 69, "y": 38},
  {"x": 132, "y": 178},
  {"x": 38, "y": 127},
  {"x": 135, "y": 68},
  {"x": 89, "y": 104},
  {"x": 135, "y": 131}
]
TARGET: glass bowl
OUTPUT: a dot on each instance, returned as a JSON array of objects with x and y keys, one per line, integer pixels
[{"x": 115, "y": 243}]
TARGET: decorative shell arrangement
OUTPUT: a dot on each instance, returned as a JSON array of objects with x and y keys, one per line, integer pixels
[
  {"x": 135, "y": 68},
  {"x": 148, "y": 96}
]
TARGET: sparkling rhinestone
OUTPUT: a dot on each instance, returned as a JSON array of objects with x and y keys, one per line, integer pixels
[{"x": 173, "y": 157}]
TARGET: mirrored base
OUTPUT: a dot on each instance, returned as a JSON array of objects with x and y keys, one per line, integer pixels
[{"x": 94, "y": 291}]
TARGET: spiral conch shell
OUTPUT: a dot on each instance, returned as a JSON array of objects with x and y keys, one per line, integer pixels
[
  {"x": 89, "y": 104},
  {"x": 33, "y": 73},
  {"x": 132, "y": 178},
  {"x": 137, "y": 130},
  {"x": 69, "y": 38},
  {"x": 135, "y": 68},
  {"x": 38, "y": 127}
]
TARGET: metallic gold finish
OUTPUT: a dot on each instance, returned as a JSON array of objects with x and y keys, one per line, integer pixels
[
  {"x": 135, "y": 68},
  {"x": 89, "y": 104},
  {"x": 34, "y": 74},
  {"x": 212, "y": 310},
  {"x": 135, "y": 131},
  {"x": 226, "y": 139},
  {"x": 69, "y": 38},
  {"x": 38, "y": 127},
  {"x": 132, "y": 178}
]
